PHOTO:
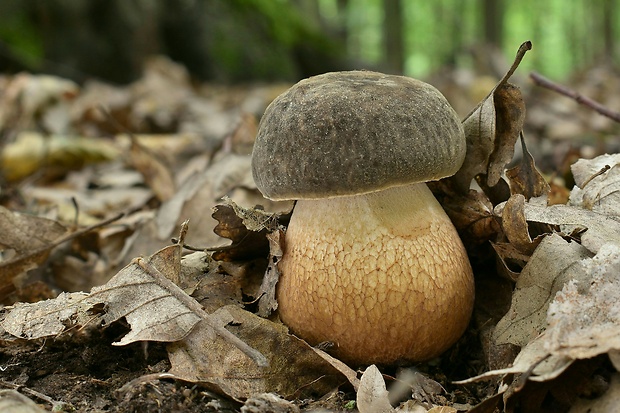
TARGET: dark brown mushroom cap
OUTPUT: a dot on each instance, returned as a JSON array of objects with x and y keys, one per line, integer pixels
[{"x": 347, "y": 133}]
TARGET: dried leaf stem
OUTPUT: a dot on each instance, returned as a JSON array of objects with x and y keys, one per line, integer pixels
[
  {"x": 525, "y": 46},
  {"x": 599, "y": 173},
  {"x": 540, "y": 80},
  {"x": 161, "y": 280}
]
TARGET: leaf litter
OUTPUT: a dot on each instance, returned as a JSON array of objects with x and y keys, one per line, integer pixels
[{"x": 215, "y": 310}]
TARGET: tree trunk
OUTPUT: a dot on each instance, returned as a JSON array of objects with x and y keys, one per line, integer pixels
[
  {"x": 493, "y": 17},
  {"x": 393, "y": 40},
  {"x": 608, "y": 30}
]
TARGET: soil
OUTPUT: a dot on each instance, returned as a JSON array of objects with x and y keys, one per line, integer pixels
[
  {"x": 84, "y": 372},
  {"x": 91, "y": 375}
]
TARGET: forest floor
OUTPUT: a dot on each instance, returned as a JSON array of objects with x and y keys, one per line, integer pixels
[{"x": 98, "y": 175}]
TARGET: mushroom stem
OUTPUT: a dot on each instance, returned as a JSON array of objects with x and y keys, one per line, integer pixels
[{"x": 384, "y": 276}]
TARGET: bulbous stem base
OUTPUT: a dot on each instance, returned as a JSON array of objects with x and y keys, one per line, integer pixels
[{"x": 384, "y": 276}]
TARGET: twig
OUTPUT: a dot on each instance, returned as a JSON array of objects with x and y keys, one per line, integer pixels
[
  {"x": 599, "y": 173},
  {"x": 540, "y": 80},
  {"x": 195, "y": 307}
]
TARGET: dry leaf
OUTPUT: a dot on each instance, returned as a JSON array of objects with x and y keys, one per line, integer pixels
[
  {"x": 601, "y": 228},
  {"x": 515, "y": 227},
  {"x": 511, "y": 259},
  {"x": 471, "y": 213},
  {"x": 268, "y": 402},
  {"x": 584, "y": 318},
  {"x": 246, "y": 243},
  {"x": 25, "y": 233},
  {"x": 491, "y": 131},
  {"x": 33, "y": 151},
  {"x": 254, "y": 219},
  {"x": 580, "y": 323},
  {"x": 598, "y": 184},
  {"x": 32, "y": 238},
  {"x": 202, "y": 191},
  {"x": 268, "y": 303},
  {"x": 372, "y": 396},
  {"x": 443, "y": 409},
  {"x": 215, "y": 284},
  {"x": 525, "y": 179},
  {"x": 47, "y": 318},
  {"x": 554, "y": 263},
  {"x": 346, "y": 371},
  {"x": 153, "y": 311},
  {"x": 294, "y": 369},
  {"x": 156, "y": 173}
]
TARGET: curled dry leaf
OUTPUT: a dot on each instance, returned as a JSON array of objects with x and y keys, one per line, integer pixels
[
  {"x": 511, "y": 260},
  {"x": 514, "y": 225},
  {"x": 554, "y": 263},
  {"x": 215, "y": 284},
  {"x": 294, "y": 370},
  {"x": 492, "y": 129},
  {"x": 246, "y": 228},
  {"x": 267, "y": 302},
  {"x": 471, "y": 213},
  {"x": 254, "y": 219},
  {"x": 525, "y": 179}
]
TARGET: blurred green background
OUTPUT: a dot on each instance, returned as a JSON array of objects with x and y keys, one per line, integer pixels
[{"x": 243, "y": 40}]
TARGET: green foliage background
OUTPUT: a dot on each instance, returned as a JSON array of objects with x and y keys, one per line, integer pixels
[
  {"x": 568, "y": 35},
  {"x": 263, "y": 39}
]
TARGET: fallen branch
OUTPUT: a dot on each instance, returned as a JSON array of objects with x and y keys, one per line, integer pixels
[{"x": 579, "y": 98}]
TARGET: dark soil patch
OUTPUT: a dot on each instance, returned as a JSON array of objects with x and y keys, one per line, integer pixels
[{"x": 87, "y": 374}]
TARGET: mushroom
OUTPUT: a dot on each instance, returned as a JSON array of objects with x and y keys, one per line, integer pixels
[{"x": 371, "y": 261}]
